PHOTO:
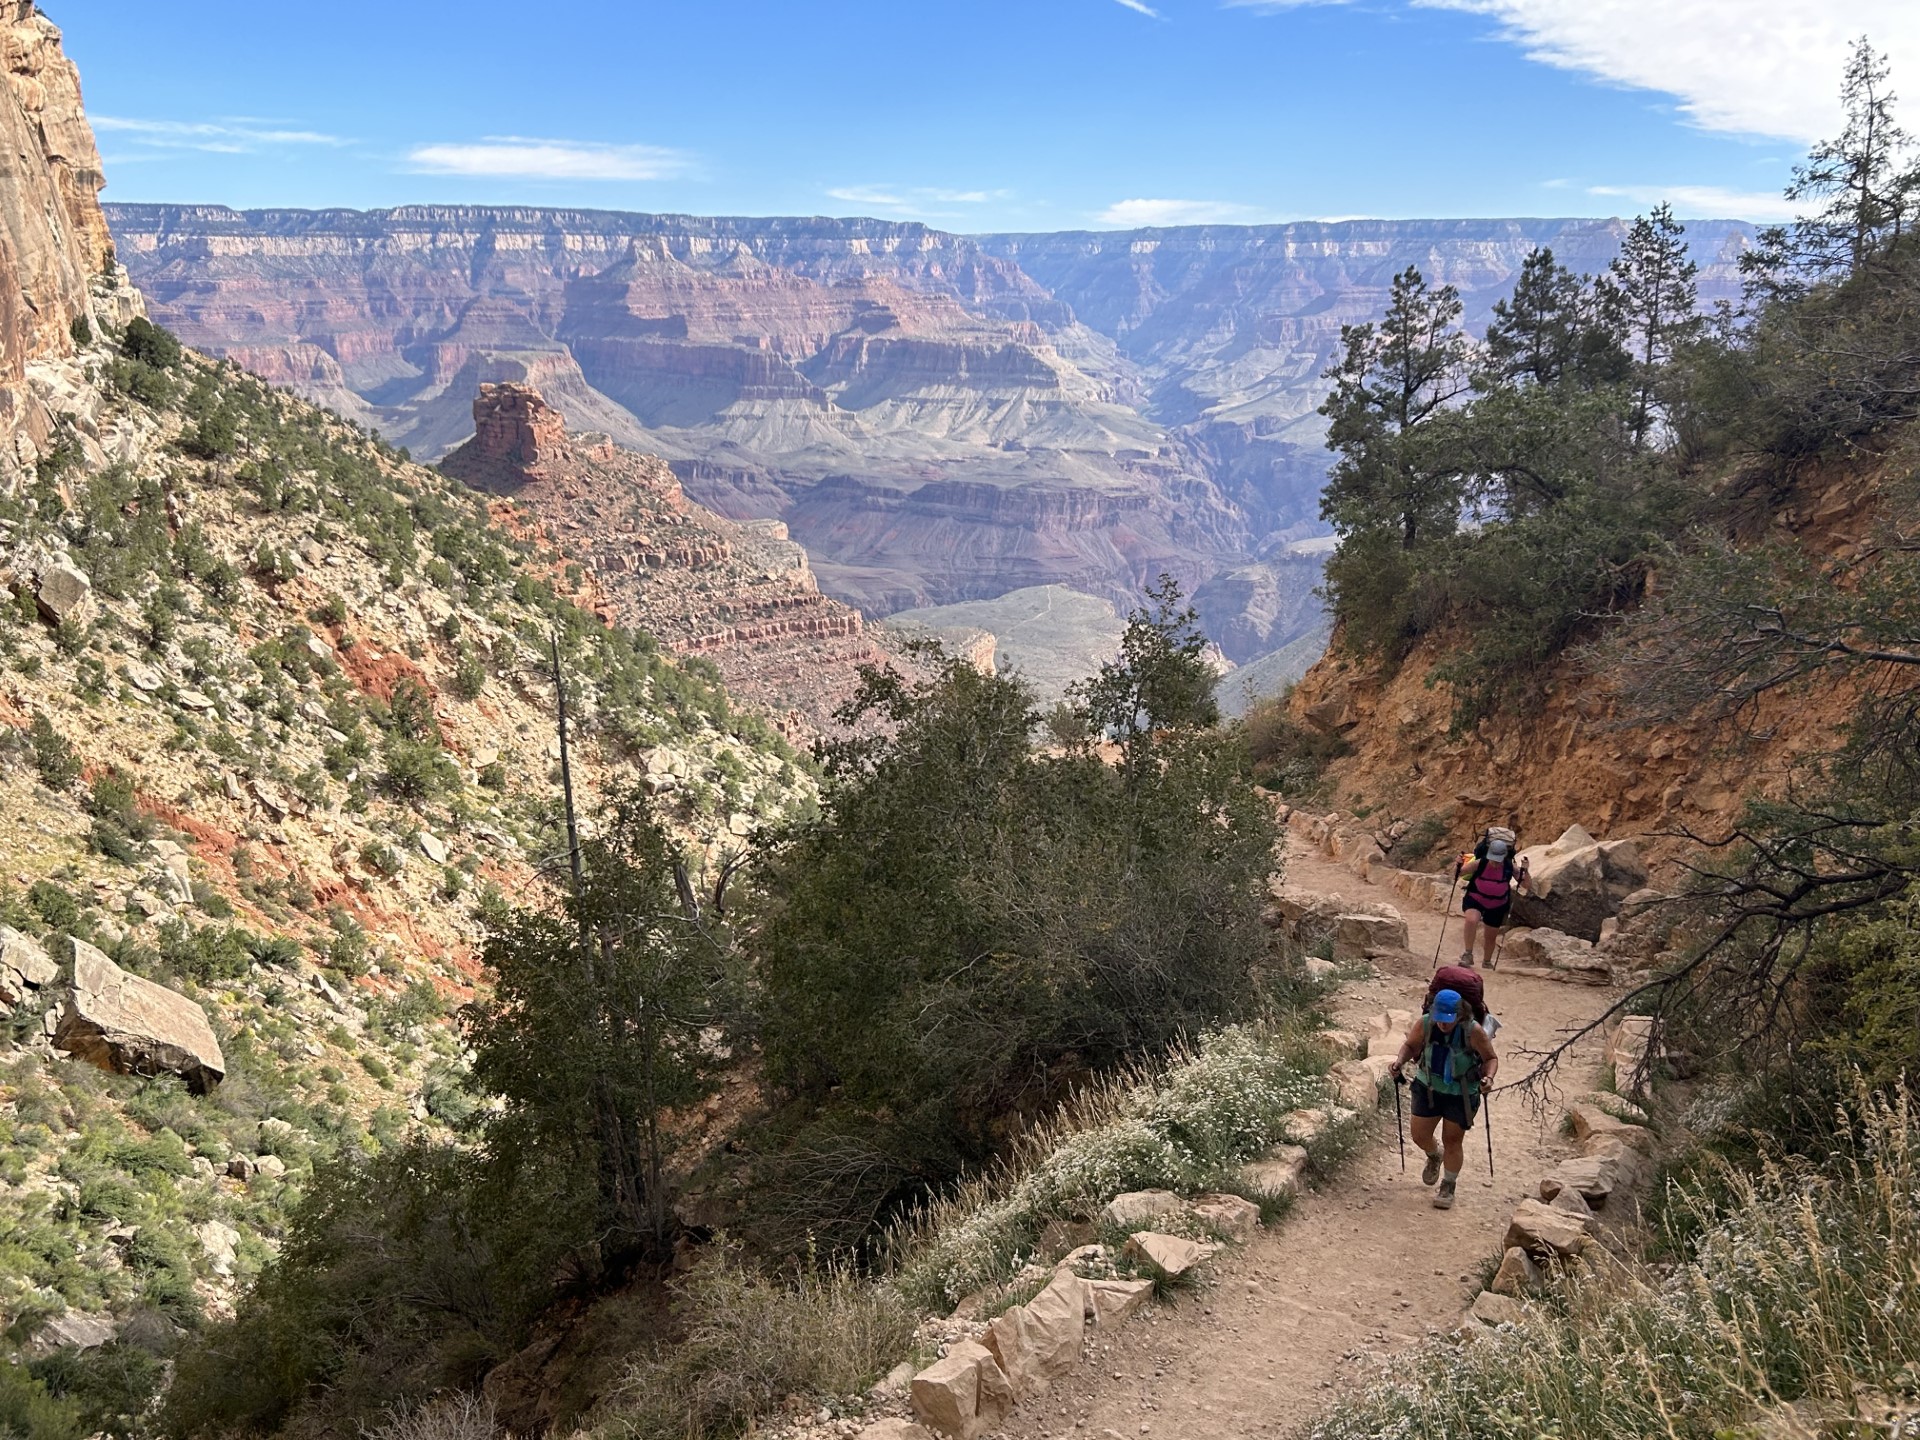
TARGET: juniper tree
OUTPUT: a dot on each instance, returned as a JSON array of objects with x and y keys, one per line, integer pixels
[{"x": 1392, "y": 388}]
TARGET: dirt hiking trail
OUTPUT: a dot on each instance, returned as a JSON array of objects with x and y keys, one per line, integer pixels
[{"x": 1361, "y": 1268}]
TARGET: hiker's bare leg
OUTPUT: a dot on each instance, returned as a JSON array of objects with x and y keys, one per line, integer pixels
[
  {"x": 1489, "y": 939},
  {"x": 1470, "y": 926},
  {"x": 1454, "y": 1147},
  {"x": 1423, "y": 1132}
]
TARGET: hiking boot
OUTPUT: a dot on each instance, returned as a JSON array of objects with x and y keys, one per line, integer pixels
[
  {"x": 1443, "y": 1197},
  {"x": 1432, "y": 1171},
  {"x": 1466, "y": 958}
]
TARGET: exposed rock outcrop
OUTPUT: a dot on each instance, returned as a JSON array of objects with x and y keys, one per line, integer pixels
[
  {"x": 53, "y": 237},
  {"x": 739, "y": 594},
  {"x": 123, "y": 1023}
]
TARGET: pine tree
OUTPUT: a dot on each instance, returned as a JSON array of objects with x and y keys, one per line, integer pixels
[
  {"x": 1555, "y": 327},
  {"x": 1869, "y": 198},
  {"x": 1393, "y": 386},
  {"x": 1651, "y": 287}
]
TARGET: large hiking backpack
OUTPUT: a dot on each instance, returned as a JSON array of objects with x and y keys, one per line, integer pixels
[
  {"x": 1471, "y": 987},
  {"x": 1495, "y": 864}
]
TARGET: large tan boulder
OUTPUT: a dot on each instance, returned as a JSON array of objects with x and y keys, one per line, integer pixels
[
  {"x": 1578, "y": 882},
  {"x": 1140, "y": 1207},
  {"x": 1592, "y": 1177},
  {"x": 1554, "y": 955},
  {"x": 1110, "y": 1302},
  {"x": 123, "y": 1023},
  {"x": 1279, "y": 1172},
  {"x": 1359, "y": 937},
  {"x": 1589, "y": 1120},
  {"x": 24, "y": 966},
  {"x": 964, "y": 1394},
  {"x": 1517, "y": 1275},
  {"x": 1356, "y": 1083},
  {"x": 64, "y": 593},
  {"x": 1036, "y": 1341},
  {"x": 1231, "y": 1217},
  {"x": 1543, "y": 1231},
  {"x": 1171, "y": 1255}
]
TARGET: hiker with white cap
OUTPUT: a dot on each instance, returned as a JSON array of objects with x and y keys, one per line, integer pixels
[{"x": 1455, "y": 1059}]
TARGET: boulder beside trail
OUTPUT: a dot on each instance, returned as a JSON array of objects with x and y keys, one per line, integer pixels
[
  {"x": 964, "y": 1394},
  {"x": 1358, "y": 937},
  {"x": 1109, "y": 1302},
  {"x": 1555, "y": 955},
  {"x": 1490, "y": 1308},
  {"x": 132, "y": 1026},
  {"x": 1171, "y": 1255},
  {"x": 1578, "y": 882},
  {"x": 1279, "y": 1172},
  {"x": 1137, "y": 1207},
  {"x": 1041, "y": 1339},
  {"x": 1517, "y": 1275},
  {"x": 1231, "y": 1217},
  {"x": 1543, "y": 1231}
]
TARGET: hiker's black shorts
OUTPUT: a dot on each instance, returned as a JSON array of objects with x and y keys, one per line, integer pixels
[
  {"x": 1495, "y": 918},
  {"x": 1457, "y": 1108}
]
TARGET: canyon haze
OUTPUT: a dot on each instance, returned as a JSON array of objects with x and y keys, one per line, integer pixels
[{"x": 936, "y": 418}]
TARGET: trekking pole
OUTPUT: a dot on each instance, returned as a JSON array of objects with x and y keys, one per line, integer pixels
[
  {"x": 1445, "y": 915},
  {"x": 1486, "y": 1113},
  {"x": 1399, "y": 1125}
]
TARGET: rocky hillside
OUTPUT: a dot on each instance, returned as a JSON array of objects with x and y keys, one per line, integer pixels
[
  {"x": 739, "y": 594},
  {"x": 1573, "y": 754},
  {"x": 279, "y": 721}
]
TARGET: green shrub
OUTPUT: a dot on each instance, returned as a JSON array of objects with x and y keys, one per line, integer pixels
[
  {"x": 1288, "y": 757},
  {"x": 147, "y": 343},
  {"x": 53, "y": 755},
  {"x": 30, "y": 1411}
]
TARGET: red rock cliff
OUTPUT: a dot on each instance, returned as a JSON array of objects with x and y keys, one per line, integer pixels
[{"x": 53, "y": 236}]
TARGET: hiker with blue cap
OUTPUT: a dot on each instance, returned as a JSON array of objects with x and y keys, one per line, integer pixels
[{"x": 1455, "y": 1058}]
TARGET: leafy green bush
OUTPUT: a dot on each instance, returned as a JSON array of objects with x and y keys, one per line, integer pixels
[
  {"x": 969, "y": 916},
  {"x": 149, "y": 344},
  {"x": 1288, "y": 757},
  {"x": 53, "y": 755}
]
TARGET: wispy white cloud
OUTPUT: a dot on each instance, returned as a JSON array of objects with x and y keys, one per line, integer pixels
[
  {"x": 915, "y": 200},
  {"x": 233, "y": 136},
  {"x": 1140, "y": 7},
  {"x": 1132, "y": 214},
  {"x": 1702, "y": 202},
  {"x": 1765, "y": 67},
  {"x": 516, "y": 157}
]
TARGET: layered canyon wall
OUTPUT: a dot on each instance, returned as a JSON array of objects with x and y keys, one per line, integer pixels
[
  {"x": 56, "y": 253},
  {"x": 936, "y": 418}
]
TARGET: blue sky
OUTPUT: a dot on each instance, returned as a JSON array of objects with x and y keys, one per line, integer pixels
[{"x": 976, "y": 114}]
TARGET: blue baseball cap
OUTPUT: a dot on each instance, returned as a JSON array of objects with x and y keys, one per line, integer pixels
[{"x": 1446, "y": 1006}]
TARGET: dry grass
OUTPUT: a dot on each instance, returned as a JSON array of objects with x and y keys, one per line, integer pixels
[
  {"x": 750, "y": 1341},
  {"x": 1799, "y": 1307},
  {"x": 1187, "y": 1127}
]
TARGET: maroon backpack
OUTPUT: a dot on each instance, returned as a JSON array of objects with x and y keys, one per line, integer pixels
[{"x": 1468, "y": 982}]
